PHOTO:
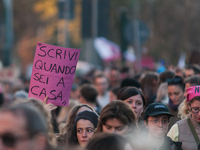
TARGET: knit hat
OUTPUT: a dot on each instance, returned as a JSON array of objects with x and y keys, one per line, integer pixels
[
  {"x": 88, "y": 115},
  {"x": 193, "y": 92}
]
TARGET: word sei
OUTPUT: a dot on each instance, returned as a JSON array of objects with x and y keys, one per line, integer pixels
[
  {"x": 57, "y": 53},
  {"x": 45, "y": 80},
  {"x": 40, "y": 65},
  {"x": 41, "y": 78}
]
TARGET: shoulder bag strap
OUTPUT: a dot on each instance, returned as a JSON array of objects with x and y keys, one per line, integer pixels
[{"x": 193, "y": 131}]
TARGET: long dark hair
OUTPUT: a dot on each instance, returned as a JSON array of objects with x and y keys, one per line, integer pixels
[{"x": 67, "y": 134}]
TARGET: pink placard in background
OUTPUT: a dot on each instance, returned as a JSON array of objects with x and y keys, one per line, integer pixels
[{"x": 53, "y": 73}]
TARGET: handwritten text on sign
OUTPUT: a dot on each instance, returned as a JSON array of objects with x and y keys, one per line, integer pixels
[{"x": 53, "y": 73}]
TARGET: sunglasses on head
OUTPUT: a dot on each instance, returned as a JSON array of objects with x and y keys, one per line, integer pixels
[
  {"x": 10, "y": 140},
  {"x": 174, "y": 80}
]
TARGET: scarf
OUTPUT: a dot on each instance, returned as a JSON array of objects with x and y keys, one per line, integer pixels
[{"x": 172, "y": 106}]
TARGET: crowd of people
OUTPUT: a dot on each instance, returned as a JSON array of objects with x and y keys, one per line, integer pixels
[{"x": 107, "y": 110}]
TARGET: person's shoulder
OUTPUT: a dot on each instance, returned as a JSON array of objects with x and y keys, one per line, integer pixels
[
  {"x": 180, "y": 122},
  {"x": 173, "y": 145}
]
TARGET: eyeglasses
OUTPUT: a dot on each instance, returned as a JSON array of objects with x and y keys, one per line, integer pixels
[
  {"x": 157, "y": 121},
  {"x": 10, "y": 140},
  {"x": 174, "y": 80},
  {"x": 195, "y": 109}
]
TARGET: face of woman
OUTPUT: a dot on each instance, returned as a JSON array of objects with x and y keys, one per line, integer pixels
[
  {"x": 136, "y": 103},
  {"x": 85, "y": 130},
  {"x": 194, "y": 108},
  {"x": 115, "y": 126},
  {"x": 176, "y": 94}
]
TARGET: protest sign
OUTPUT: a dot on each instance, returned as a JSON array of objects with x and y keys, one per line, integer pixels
[{"x": 53, "y": 73}]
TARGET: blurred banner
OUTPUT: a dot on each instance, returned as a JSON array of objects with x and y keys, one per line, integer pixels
[
  {"x": 10, "y": 73},
  {"x": 107, "y": 50},
  {"x": 129, "y": 54},
  {"x": 181, "y": 61}
]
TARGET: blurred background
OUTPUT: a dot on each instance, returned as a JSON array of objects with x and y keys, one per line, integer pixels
[{"x": 143, "y": 34}]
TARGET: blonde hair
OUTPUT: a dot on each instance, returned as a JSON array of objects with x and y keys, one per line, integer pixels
[{"x": 183, "y": 110}]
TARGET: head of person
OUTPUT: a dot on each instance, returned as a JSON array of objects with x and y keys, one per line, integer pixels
[
  {"x": 149, "y": 85},
  {"x": 105, "y": 141},
  {"x": 180, "y": 72},
  {"x": 176, "y": 88},
  {"x": 193, "y": 102},
  {"x": 101, "y": 83},
  {"x": 191, "y": 81},
  {"x": 117, "y": 117},
  {"x": 65, "y": 136},
  {"x": 74, "y": 91},
  {"x": 192, "y": 69},
  {"x": 125, "y": 72},
  {"x": 37, "y": 104},
  {"x": 166, "y": 75},
  {"x": 84, "y": 127},
  {"x": 113, "y": 93},
  {"x": 48, "y": 117},
  {"x": 22, "y": 127},
  {"x": 130, "y": 82},
  {"x": 156, "y": 119},
  {"x": 114, "y": 77},
  {"x": 20, "y": 94},
  {"x": 88, "y": 94},
  {"x": 134, "y": 98}
]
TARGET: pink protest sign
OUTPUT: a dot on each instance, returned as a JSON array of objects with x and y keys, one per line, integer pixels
[{"x": 53, "y": 73}]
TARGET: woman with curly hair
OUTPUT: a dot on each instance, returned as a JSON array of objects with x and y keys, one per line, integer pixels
[
  {"x": 65, "y": 136},
  {"x": 84, "y": 128},
  {"x": 187, "y": 130}
]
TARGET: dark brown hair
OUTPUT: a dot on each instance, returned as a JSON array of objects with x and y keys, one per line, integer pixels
[
  {"x": 127, "y": 92},
  {"x": 66, "y": 136},
  {"x": 149, "y": 85},
  {"x": 89, "y": 92},
  {"x": 177, "y": 81},
  {"x": 119, "y": 110},
  {"x": 106, "y": 141}
]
